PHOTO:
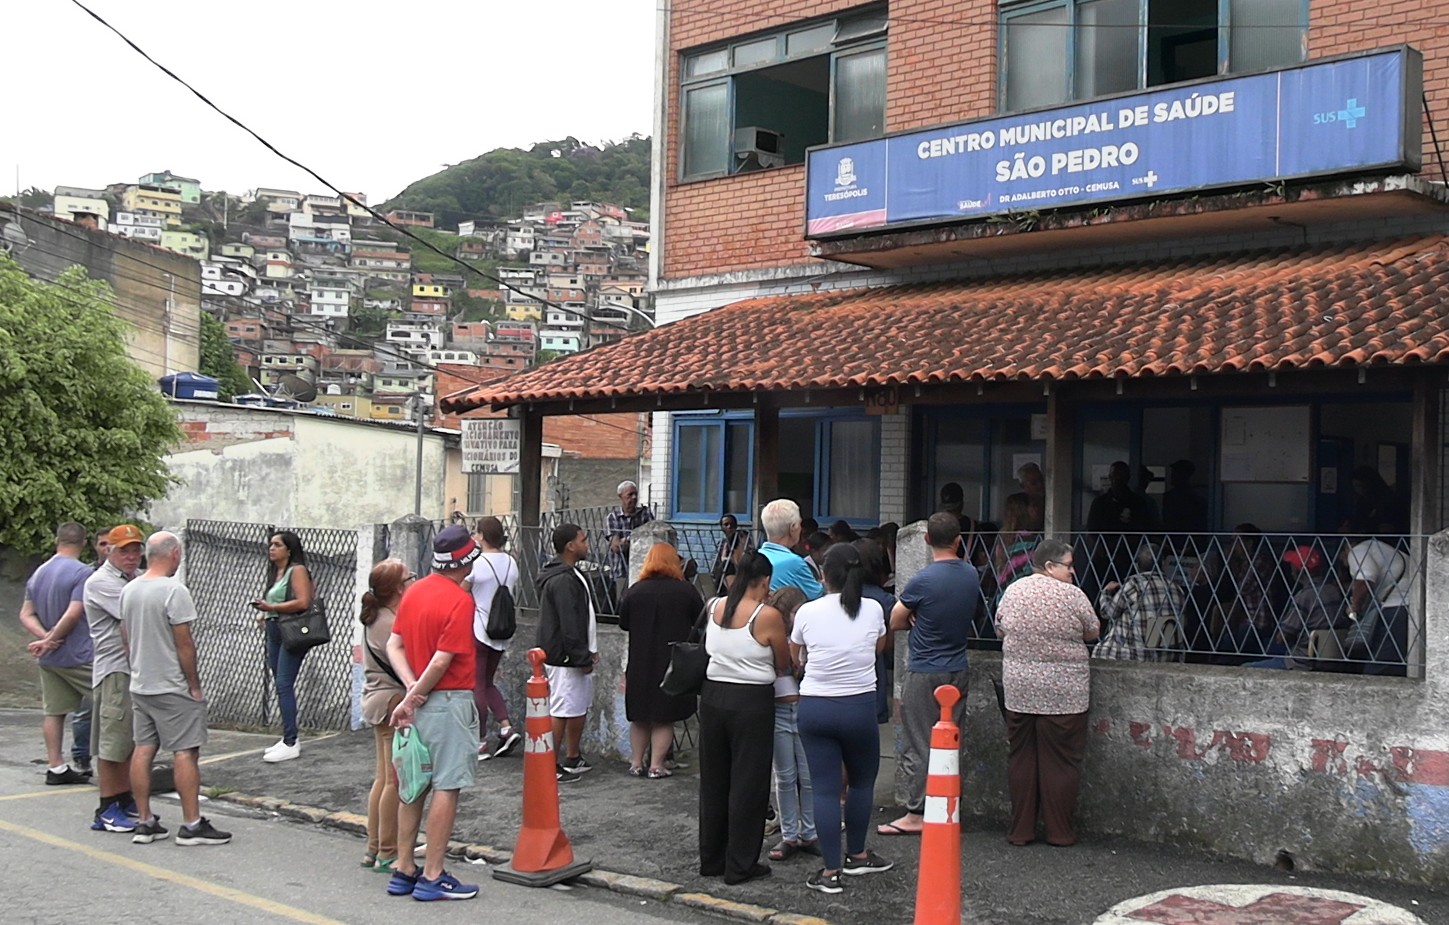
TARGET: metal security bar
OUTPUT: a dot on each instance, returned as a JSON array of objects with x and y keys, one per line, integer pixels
[
  {"x": 1322, "y": 602},
  {"x": 226, "y": 569}
]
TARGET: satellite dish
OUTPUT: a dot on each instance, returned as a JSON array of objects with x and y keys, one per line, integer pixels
[
  {"x": 295, "y": 388},
  {"x": 13, "y": 239}
]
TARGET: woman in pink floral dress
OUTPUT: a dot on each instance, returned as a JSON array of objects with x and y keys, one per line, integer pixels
[{"x": 1045, "y": 621}]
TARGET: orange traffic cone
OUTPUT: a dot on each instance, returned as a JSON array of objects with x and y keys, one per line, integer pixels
[
  {"x": 938, "y": 889},
  {"x": 542, "y": 856}
]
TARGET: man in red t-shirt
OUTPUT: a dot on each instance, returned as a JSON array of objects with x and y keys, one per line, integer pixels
[{"x": 431, "y": 649}]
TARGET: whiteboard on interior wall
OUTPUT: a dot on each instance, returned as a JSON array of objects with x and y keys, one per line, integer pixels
[
  {"x": 1265, "y": 444},
  {"x": 491, "y": 445}
]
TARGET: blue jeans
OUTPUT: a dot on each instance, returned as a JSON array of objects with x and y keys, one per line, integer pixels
[
  {"x": 793, "y": 796},
  {"x": 80, "y": 727},
  {"x": 836, "y": 731},
  {"x": 285, "y": 667}
]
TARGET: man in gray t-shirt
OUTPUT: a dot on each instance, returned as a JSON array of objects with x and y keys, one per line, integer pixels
[
  {"x": 54, "y": 615},
  {"x": 111, "y": 733},
  {"x": 170, "y": 711}
]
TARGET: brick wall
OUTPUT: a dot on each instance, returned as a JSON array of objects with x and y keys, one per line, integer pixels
[
  {"x": 205, "y": 425},
  {"x": 942, "y": 67}
]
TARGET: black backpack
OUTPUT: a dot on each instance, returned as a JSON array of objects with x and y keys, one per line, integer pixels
[{"x": 501, "y": 623}]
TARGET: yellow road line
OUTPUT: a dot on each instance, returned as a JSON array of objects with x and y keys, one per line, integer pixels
[
  {"x": 59, "y": 791},
  {"x": 171, "y": 876}
]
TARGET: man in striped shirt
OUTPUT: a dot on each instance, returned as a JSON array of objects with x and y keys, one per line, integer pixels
[{"x": 1134, "y": 607}]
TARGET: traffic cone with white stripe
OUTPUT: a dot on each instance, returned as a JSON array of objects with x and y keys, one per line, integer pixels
[
  {"x": 938, "y": 889},
  {"x": 542, "y": 856}
]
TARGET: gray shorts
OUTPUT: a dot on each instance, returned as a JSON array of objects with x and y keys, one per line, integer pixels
[
  {"x": 172, "y": 722},
  {"x": 447, "y": 722}
]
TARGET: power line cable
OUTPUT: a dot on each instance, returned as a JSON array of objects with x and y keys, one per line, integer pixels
[{"x": 401, "y": 229}]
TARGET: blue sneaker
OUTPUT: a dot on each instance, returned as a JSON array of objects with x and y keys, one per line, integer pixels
[
  {"x": 113, "y": 819},
  {"x": 132, "y": 810},
  {"x": 445, "y": 887},
  {"x": 401, "y": 884}
]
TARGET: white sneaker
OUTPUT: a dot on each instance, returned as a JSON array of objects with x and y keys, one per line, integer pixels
[
  {"x": 280, "y": 743},
  {"x": 282, "y": 752}
]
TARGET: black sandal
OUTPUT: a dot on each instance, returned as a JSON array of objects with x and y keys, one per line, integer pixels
[{"x": 784, "y": 851}]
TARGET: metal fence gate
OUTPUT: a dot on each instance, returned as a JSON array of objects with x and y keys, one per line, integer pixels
[{"x": 226, "y": 569}]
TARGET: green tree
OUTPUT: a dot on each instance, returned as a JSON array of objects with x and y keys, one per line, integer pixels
[
  {"x": 85, "y": 428},
  {"x": 218, "y": 359},
  {"x": 372, "y": 322}
]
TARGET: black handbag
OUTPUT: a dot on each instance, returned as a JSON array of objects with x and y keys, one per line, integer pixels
[
  {"x": 688, "y": 661},
  {"x": 305, "y": 630}
]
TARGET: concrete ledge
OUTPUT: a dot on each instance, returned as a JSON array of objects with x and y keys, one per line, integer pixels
[
  {"x": 635, "y": 886},
  {"x": 487, "y": 853},
  {"x": 746, "y": 912},
  {"x": 305, "y": 813},
  {"x": 628, "y": 884},
  {"x": 347, "y": 822}
]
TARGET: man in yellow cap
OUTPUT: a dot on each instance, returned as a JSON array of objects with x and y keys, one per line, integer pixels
[{"x": 111, "y": 734}]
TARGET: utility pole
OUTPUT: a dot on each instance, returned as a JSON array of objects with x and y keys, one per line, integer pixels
[{"x": 418, "y": 494}]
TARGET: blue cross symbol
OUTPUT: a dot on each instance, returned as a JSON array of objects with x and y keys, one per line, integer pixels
[{"x": 1351, "y": 113}]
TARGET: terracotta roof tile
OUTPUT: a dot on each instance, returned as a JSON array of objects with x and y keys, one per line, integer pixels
[{"x": 1366, "y": 303}]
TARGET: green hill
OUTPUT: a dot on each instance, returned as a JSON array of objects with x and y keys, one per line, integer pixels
[{"x": 502, "y": 183}]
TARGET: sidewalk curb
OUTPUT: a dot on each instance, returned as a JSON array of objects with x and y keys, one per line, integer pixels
[{"x": 627, "y": 884}]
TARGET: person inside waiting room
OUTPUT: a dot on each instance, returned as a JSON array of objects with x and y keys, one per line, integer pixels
[
  {"x": 1318, "y": 604},
  {"x": 1250, "y": 597},
  {"x": 1116, "y": 521},
  {"x": 1011, "y": 555},
  {"x": 1033, "y": 494},
  {"x": 1134, "y": 609},
  {"x": 1380, "y": 594}
]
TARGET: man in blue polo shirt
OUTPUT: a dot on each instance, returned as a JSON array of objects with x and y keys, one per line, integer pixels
[
  {"x": 936, "y": 606},
  {"x": 781, "y": 520}
]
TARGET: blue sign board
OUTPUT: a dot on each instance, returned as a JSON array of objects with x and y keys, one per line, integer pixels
[{"x": 1345, "y": 115}]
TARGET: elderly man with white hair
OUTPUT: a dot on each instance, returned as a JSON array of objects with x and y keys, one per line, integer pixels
[
  {"x": 629, "y": 516},
  {"x": 781, "y": 520}
]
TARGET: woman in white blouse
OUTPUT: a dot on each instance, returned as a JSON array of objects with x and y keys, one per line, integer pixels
[{"x": 835, "y": 639}]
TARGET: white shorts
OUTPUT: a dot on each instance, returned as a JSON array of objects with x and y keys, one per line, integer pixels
[{"x": 570, "y": 691}]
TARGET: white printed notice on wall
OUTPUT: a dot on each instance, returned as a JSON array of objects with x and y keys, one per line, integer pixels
[
  {"x": 1265, "y": 444},
  {"x": 491, "y": 446}
]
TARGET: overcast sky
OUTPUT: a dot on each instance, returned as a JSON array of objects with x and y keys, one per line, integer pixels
[{"x": 371, "y": 95}]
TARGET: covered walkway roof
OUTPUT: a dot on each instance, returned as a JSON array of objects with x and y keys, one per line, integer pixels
[{"x": 1362, "y": 304}]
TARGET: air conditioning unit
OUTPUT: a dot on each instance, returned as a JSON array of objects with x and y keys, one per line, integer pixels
[{"x": 757, "y": 148}]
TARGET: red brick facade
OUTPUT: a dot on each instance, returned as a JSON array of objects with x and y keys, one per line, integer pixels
[{"x": 942, "y": 68}]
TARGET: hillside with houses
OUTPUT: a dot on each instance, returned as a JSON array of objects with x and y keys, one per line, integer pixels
[{"x": 327, "y": 307}]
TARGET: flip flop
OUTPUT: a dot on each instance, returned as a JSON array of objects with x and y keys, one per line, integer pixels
[
  {"x": 890, "y": 828},
  {"x": 660, "y": 773},
  {"x": 784, "y": 851}
]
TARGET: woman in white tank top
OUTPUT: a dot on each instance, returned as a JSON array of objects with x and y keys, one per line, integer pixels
[{"x": 745, "y": 638}]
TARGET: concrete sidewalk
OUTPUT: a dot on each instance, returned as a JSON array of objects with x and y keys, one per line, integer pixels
[{"x": 647, "y": 828}]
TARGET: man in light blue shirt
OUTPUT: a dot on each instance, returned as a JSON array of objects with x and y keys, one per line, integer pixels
[{"x": 781, "y": 520}]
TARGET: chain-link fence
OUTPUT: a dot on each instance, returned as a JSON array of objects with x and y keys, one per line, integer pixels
[
  {"x": 227, "y": 569},
  {"x": 1296, "y": 601}
]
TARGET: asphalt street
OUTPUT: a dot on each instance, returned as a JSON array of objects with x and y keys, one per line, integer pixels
[
  {"x": 623, "y": 824},
  {"x": 275, "y": 871}
]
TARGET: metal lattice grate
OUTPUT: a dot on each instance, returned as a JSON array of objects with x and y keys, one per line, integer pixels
[{"x": 226, "y": 569}]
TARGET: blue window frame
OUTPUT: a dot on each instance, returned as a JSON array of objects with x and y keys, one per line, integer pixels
[{"x": 829, "y": 463}]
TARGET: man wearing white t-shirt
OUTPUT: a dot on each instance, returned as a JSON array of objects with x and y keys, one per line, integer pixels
[
  {"x": 568, "y": 635},
  {"x": 492, "y": 569},
  {"x": 1379, "y": 584}
]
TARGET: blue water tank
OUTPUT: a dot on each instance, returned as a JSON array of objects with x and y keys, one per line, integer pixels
[{"x": 190, "y": 385}]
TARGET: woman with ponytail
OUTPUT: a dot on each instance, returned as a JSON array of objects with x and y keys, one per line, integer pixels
[
  {"x": 381, "y": 692},
  {"x": 835, "y": 639},
  {"x": 745, "y": 639}
]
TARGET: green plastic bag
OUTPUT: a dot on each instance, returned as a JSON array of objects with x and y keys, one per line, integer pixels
[{"x": 413, "y": 763}]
